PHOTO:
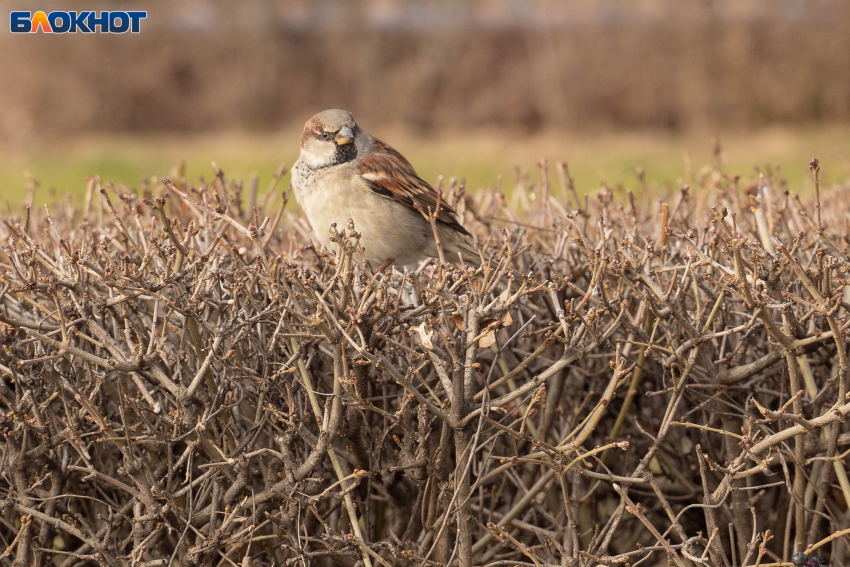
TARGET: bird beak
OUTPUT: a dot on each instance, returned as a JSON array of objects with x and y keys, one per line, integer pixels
[{"x": 344, "y": 136}]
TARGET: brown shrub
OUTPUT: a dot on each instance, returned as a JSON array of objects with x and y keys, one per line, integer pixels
[{"x": 182, "y": 384}]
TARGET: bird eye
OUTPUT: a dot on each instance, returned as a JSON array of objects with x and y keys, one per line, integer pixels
[{"x": 327, "y": 136}]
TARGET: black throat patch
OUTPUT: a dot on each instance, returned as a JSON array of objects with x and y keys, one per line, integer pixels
[{"x": 344, "y": 154}]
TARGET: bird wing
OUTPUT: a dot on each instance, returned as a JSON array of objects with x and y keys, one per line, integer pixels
[{"x": 388, "y": 174}]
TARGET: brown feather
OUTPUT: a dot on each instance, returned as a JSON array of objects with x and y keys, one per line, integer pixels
[{"x": 388, "y": 174}]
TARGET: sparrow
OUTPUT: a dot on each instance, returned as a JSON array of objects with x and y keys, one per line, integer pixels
[{"x": 344, "y": 173}]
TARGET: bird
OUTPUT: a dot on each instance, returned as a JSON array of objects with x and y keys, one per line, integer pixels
[{"x": 344, "y": 173}]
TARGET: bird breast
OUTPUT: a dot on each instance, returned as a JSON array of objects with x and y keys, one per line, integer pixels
[{"x": 388, "y": 229}]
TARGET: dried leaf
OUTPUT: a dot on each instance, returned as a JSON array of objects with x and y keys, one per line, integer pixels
[
  {"x": 425, "y": 336},
  {"x": 488, "y": 339}
]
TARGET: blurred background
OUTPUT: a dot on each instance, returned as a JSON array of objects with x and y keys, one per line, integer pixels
[{"x": 469, "y": 89}]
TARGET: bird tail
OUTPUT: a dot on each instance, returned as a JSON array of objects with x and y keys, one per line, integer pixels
[{"x": 463, "y": 244}]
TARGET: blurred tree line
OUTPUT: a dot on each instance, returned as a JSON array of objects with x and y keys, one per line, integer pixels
[{"x": 206, "y": 65}]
